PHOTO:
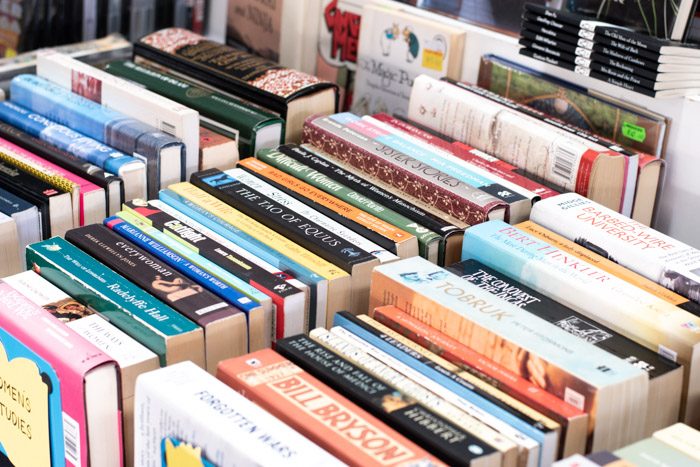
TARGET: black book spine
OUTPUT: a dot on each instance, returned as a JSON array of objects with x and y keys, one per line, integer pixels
[
  {"x": 448, "y": 442},
  {"x": 213, "y": 251},
  {"x": 559, "y": 315},
  {"x": 637, "y": 41},
  {"x": 553, "y": 24},
  {"x": 528, "y": 36},
  {"x": 570, "y": 37},
  {"x": 154, "y": 276},
  {"x": 626, "y": 57},
  {"x": 31, "y": 189},
  {"x": 63, "y": 159},
  {"x": 280, "y": 218},
  {"x": 603, "y": 63},
  {"x": 370, "y": 235},
  {"x": 422, "y": 360},
  {"x": 365, "y": 188},
  {"x": 564, "y": 53}
]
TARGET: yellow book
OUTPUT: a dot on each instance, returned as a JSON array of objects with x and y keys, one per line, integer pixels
[{"x": 339, "y": 289}]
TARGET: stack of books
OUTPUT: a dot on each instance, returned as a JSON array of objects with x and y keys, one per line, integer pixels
[
  {"x": 675, "y": 445},
  {"x": 607, "y": 52}
]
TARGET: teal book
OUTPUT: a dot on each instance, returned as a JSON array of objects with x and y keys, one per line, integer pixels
[
  {"x": 148, "y": 320},
  {"x": 31, "y": 423},
  {"x": 611, "y": 390}
]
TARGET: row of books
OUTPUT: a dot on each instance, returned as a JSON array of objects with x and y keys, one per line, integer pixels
[
  {"x": 529, "y": 349},
  {"x": 610, "y": 53},
  {"x": 675, "y": 445}
]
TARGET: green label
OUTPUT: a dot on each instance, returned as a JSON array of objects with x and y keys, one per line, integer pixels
[{"x": 634, "y": 132}]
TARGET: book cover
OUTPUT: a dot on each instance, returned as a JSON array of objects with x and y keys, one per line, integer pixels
[
  {"x": 240, "y": 73},
  {"x": 638, "y": 247},
  {"x": 682, "y": 438},
  {"x": 129, "y": 308},
  {"x": 87, "y": 149},
  {"x": 53, "y": 341},
  {"x": 276, "y": 384},
  {"x": 357, "y": 147},
  {"x": 599, "y": 295},
  {"x": 164, "y": 155},
  {"x": 127, "y": 98},
  {"x": 27, "y": 223},
  {"x": 172, "y": 288},
  {"x": 36, "y": 439},
  {"x": 395, "y": 47},
  {"x": 290, "y": 295},
  {"x": 437, "y": 297},
  {"x": 228, "y": 428},
  {"x": 222, "y": 218},
  {"x": 651, "y": 451}
]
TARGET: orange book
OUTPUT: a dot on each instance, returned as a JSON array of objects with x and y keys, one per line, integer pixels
[
  {"x": 574, "y": 421},
  {"x": 319, "y": 413}
]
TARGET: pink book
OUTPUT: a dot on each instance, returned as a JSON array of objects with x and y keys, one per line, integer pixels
[
  {"x": 89, "y": 380},
  {"x": 89, "y": 197}
]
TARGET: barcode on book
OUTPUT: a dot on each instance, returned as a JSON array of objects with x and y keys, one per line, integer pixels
[
  {"x": 166, "y": 127},
  {"x": 564, "y": 163},
  {"x": 71, "y": 439}
]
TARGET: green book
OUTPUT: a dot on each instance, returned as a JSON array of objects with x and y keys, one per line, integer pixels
[
  {"x": 428, "y": 241},
  {"x": 143, "y": 317},
  {"x": 251, "y": 127},
  {"x": 652, "y": 452}
]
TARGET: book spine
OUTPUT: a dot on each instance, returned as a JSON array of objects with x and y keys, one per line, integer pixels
[
  {"x": 222, "y": 218},
  {"x": 154, "y": 276},
  {"x": 322, "y": 165},
  {"x": 449, "y": 442},
  {"x": 30, "y": 188},
  {"x": 333, "y": 223},
  {"x": 471, "y": 361},
  {"x": 427, "y": 184},
  {"x": 471, "y": 155},
  {"x": 280, "y": 218},
  {"x": 364, "y": 210}
]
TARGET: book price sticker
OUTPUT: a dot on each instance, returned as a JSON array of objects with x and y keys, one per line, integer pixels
[{"x": 574, "y": 398}]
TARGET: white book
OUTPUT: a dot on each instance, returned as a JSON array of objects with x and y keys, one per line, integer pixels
[
  {"x": 395, "y": 47},
  {"x": 126, "y": 97},
  {"x": 184, "y": 402},
  {"x": 646, "y": 251},
  {"x": 10, "y": 261}
]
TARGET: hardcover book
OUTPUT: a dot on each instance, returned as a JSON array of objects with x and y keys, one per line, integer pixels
[
  {"x": 22, "y": 222},
  {"x": 597, "y": 294},
  {"x": 225, "y": 327},
  {"x": 292, "y": 94},
  {"x": 540, "y": 149},
  {"x": 290, "y": 295},
  {"x": 130, "y": 169},
  {"x": 25, "y": 372},
  {"x": 446, "y": 440},
  {"x": 335, "y": 284},
  {"x": 432, "y": 295},
  {"x": 216, "y": 150},
  {"x": 132, "y": 357},
  {"x": 638, "y": 247},
  {"x": 362, "y": 221},
  {"x": 251, "y": 127},
  {"x": 89, "y": 381},
  {"x": 395, "y": 47},
  {"x": 163, "y": 154},
  {"x": 155, "y": 325},
  {"x": 276, "y": 384},
  {"x": 665, "y": 376},
  {"x": 353, "y": 142},
  {"x": 186, "y": 402},
  {"x": 127, "y": 98},
  {"x": 320, "y": 170}
]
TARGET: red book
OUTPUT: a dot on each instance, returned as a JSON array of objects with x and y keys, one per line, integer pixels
[
  {"x": 573, "y": 420},
  {"x": 318, "y": 412}
]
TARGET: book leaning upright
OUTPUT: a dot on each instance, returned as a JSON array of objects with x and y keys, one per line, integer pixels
[
  {"x": 126, "y": 97},
  {"x": 636, "y": 246},
  {"x": 188, "y": 403},
  {"x": 610, "y": 389}
]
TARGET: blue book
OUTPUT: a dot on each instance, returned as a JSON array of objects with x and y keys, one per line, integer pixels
[
  {"x": 317, "y": 285},
  {"x": 163, "y": 154},
  {"x": 131, "y": 169},
  {"x": 38, "y": 433},
  {"x": 547, "y": 439}
]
